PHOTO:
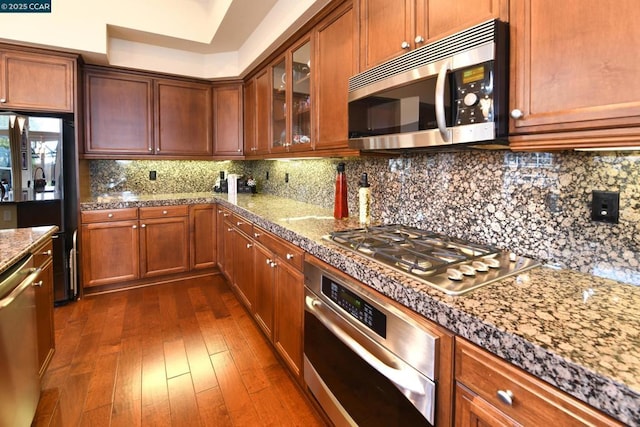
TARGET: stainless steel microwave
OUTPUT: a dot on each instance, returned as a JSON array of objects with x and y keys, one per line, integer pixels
[{"x": 448, "y": 93}]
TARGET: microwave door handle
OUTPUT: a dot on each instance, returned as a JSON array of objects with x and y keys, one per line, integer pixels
[
  {"x": 401, "y": 377},
  {"x": 440, "y": 116}
]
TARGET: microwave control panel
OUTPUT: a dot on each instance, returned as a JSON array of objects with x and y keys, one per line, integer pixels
[{"x": 473, "y": 94}]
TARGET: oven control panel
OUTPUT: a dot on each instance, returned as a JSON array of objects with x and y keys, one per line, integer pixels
[{"x": 356, "y": 306}]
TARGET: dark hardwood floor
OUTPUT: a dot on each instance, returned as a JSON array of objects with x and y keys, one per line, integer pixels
[{"x": 180, "y": 354}]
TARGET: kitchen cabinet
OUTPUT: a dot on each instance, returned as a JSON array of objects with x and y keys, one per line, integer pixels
[
  {"x": 203, "y": 235},
  {"x": 43, "y": 258},
  {"x": 227, "y": 255},
  {"x": 110, "y": 249},
  {"x": 183, "y": 118},
  {"x": 492, "y": 392},
  {"x": 31, "y": 81},
  {"x": 138, "y": 115},
  {"x": 335, "y": 61},
  {"x": 279, "y": 295},
  {"x": 409, "y": 24},
  {"x": 118, "y": 113},
  {"x": 571, "y": 84},
  {"x": 250, "y": 112},
  {"x": 164, "y": 240},
  {"x": 228, "y": 120},
  {"x": 221, "y": 215},
  {"x": 263, "y": 112},
  {"x": 243, "y": 276},
  {"x": 291, "y": 99}
]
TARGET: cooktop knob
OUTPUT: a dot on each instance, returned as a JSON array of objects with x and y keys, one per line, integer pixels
[
  {"x": 468, "y": 270},
  {"x": 480, "y": 266},
  {"x": 492, "y": 262},
  {"x": 454, "y": 274}
]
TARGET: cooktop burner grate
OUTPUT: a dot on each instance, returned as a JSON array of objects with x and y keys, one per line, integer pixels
[{"x": 452, "y": 265}]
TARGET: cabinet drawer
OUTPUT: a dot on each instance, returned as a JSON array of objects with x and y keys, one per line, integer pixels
[
  {"x": 289, "y": 253},
  {"x": 163, "y": 211},
  {"x": 42, "y": 254},
  {"x": 241, "y": 223},
  {"x": 108, "y": 215},
  {"x": 534, "y": 402}
]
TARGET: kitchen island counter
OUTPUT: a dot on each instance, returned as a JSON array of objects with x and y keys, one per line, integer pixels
[
  {"x": 18, "y": 242},
  {"x": 576, "y": 331}
]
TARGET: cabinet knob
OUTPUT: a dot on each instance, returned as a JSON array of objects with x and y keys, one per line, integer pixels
[
  {"x": 110, "y": 216},
  {"x": 273, "y": 265},
  {"x": 150, "y": 148},
  {"x": 38, "y": 284},
  {"x": 164, "y": 212},
  {"x": 3, "y": 100},
  {"x": 269, "y": 261},
  {"x": 230, "y": 230},
  {"x": 143, "y": 225},
  {"x": 134, "y": 227},
  {"x": 405, "y": 45},
  {"x": 249, "y": 245},
  {"x": 256, "y": 235},
  {"x": 517, "y": 114},
  {"x": 239, "y": 223},
  {"x": 157, "y": 150},
  {"x": 225, "y": 215},
  {"x": 419, "y": 39},
  {"x": 289, "y": 256},
  {"x": 239, "y": 150},
  {"x": 506, "y": 397},
  {"x": 47, "y": 253}
]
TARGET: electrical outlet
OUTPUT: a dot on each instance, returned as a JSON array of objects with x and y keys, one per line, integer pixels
[
  {"x": 286, "y": 177},
  {"x": 153, "y": 175},
  {"x": 605, "y": 206}
]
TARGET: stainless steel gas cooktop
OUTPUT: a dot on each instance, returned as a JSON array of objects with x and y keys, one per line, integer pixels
[{"x": 451, "y": 265}]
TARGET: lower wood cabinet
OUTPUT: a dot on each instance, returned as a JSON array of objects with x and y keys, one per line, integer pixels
[
  {"x": 122, "y": 246},
  {"x": 266, "y": 274},
  {"x": 492, "y": 392},
  {"x": 43, "y": 258}
]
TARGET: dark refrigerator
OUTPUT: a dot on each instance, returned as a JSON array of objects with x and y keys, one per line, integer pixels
[{"x": 54, "y": 204}]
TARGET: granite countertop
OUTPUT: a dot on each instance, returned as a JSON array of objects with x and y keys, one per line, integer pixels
[
  {"x": 578, "y": 332},
  {"x": 17, "y": 242}
]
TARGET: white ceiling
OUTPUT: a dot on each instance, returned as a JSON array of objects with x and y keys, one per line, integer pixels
[{"x": 211, "y": 39}]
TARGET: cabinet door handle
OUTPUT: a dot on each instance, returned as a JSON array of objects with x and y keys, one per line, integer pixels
[
  {"x": 239, "y": 150},
  {"x": 143, "y": 225},
  {"x": 110, "y": 216},
  {"x": 239, "y": 223},
  {"x": 249, "y": 245},
  {"x": 405, "y": 45},
  {"x": 506, "y": 397},
  {"x": 516, "y": 114},
  {"x": 47, "y": 253},
  {"x": 219, "y": 211},
  {"x": 164, "y": 212},
  {"x": 419, "y": 39},
  {"x": 150, "y": 148},
  {"x": 134, "y": 226},
  {"x": 289, "y": 256},
  {"x": 225, "y": 215},
  {"x": 273, "y": 265},
  {"x": 230, "y": 230},
  {"x": 38, "y": 284},
  {"x": 269, "y": 261},
  {"x": 256, "y": 235}
]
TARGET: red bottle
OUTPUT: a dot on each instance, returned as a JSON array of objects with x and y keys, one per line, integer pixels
[{"x": 340, "y": 208}]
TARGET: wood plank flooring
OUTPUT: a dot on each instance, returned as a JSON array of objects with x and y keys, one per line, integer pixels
[{"x": 181, "y": 354}]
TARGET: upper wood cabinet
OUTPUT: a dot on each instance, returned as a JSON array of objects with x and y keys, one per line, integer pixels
[
  {"x": 409, "y": 24},
  {"x": 118, "y": 113},
  {"x": 571, "y": 79},
  {"x": 249, "y": 122},
  {"x": 183, "y": 118},
  {"x": 335, "y": 61},
  {"x": 227, "y": 120},
  {"x": 37, "y": 82},
  {"x": 135, "y": 115}
]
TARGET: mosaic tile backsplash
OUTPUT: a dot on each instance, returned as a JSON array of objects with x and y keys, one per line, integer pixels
[{"x": 534, "y": 204}]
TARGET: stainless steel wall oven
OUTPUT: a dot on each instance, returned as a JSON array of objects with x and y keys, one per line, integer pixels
[{"x": 365, "y": 360}]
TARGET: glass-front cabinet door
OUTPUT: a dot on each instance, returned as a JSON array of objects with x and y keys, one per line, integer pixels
[
  {"x": 300, "y": 73},
  {"x": 291, "y": 123},
  {"x": 279, "y": 137}
]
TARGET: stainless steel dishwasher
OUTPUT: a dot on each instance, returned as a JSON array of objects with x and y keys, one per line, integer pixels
[{"x": 19, "y": 384}]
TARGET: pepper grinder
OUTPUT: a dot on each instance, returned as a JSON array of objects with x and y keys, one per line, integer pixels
[{"x": 340, "y": 208}]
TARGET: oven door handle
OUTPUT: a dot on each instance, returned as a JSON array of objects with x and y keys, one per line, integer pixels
[
  {"x": 394, "y": 369},
  {"x": 440, "y": 114}
]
